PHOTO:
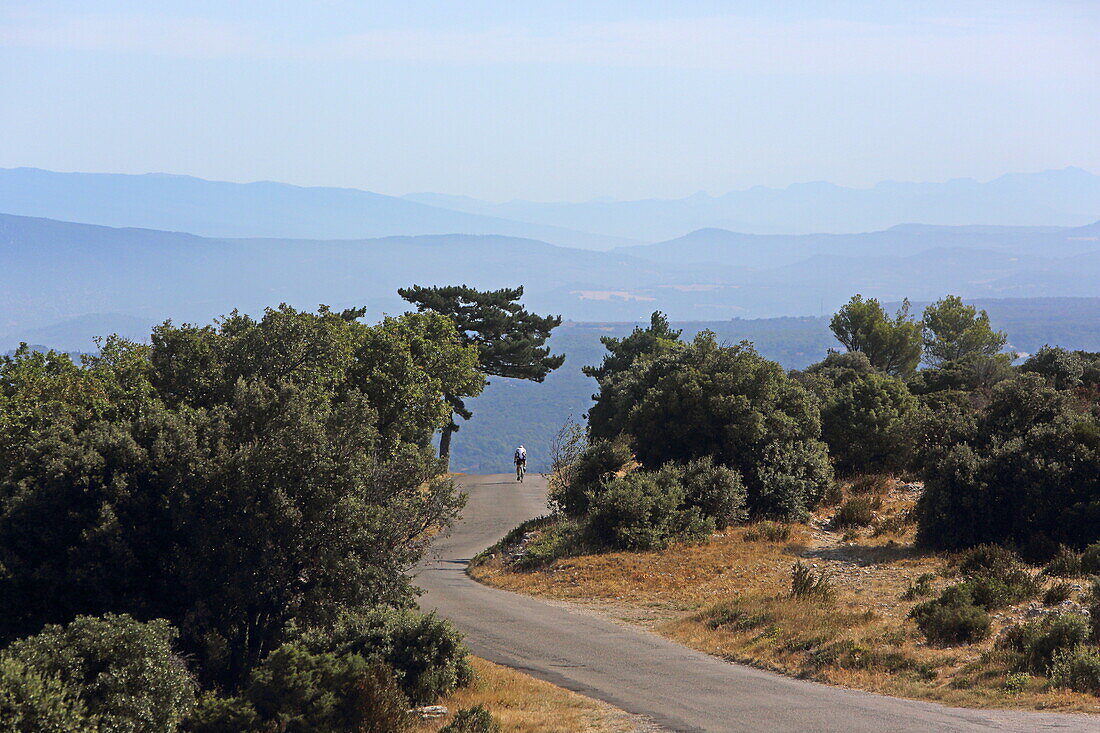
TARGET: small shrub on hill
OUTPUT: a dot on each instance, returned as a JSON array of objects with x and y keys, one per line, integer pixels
[
  {"x": 769, "y": 531},
  {"x": 953, "y": 618},
  {"x": 716, "y": 491},
  {"x": 859, "y": 511},
  {"x": 1077, "y": 669},
  {"x": 1036, "y": 643},
  {"x": 993, "y": 592},
  {"x": 988, "y": 560},
  {"x": 807, "y": 584},
  {"x": 920, "y": 588},
  {"x": 871, "y": 483},
  {"x": 645, "y": 510},
  {"x": 1065, "y": 564},
  {"x": 597, "y": 463},
  {"x": 1057, "y": 593},
  {"x": 1090, "y": 559},
  {"x": 472, "y": 720}
]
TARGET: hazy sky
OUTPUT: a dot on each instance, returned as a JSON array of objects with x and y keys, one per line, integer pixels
[{"x": 551, "y": 100}]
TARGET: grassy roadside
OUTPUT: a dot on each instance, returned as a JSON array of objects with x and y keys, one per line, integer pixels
[
  {"x": 524, "y": 704},
  {"x": 731, "y": 598}
]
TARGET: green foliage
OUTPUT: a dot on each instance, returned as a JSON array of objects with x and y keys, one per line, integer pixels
[
  {"x": 472, "y": 720},
  {"x": 124, "y": 671},
  {"x": 575, "y": 483},
  {"x": 716, "y": 491},
  {"x": 994, "y": 592},
  {"x": 1016, "y": 682},
  {"x": 953, "y": 618},
  {"x": 1090, "y": 559},
  {"x": 645, "y": 510},
  {"x": 1077, "y": 669},
  {"x": 299, "y": 692},
  {"x": 34, "y": 702},
  {"x": 645, "y": 343},
  {"x": 989, "y": 560},
  {"x": 953, "y": 331},
  {"x": 920, "y": 588},
  {"x": 731, "y": 404},
  {"x": 1036, "y": 643},
  {"x": 510, "y": 341},
  {"x": 1057, "y": 593},
  {"x": 892, "y": 345},
  {"x": 859, "y": 511},
  {"x": 425, "y": 652},
  {"x": 1065, "y": 564},
  {"x": 1030, "y": 468},
  {"x": 233, "y": 479},
  {"x": 809, "y": 585},
  {"x": 1062, "y": 369},
  {"x": 769, "y": 531}
]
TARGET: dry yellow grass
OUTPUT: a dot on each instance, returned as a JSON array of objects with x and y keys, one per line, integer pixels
[
  {"x": 524, "y": 704},
  {"x": 678, "y": 591}
]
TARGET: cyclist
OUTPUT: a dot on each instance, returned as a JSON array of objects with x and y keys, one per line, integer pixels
[{"x": 520, "y": 459}]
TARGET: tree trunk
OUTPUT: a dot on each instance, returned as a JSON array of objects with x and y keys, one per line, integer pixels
[{"x": 445, "y": 445}]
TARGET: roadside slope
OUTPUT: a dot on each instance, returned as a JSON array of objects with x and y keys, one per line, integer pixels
[{"x": 642, "y": 673}]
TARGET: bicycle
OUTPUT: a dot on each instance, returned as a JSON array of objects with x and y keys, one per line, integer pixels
[{"x": 521, "y": 469}]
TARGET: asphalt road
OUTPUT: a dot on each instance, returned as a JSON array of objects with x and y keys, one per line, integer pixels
[{"x": 641, "y": 673}]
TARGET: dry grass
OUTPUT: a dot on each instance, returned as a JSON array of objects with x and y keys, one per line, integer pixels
[
  {"x": 861, "y": 639},
  {"x": 523, "y": 703}
]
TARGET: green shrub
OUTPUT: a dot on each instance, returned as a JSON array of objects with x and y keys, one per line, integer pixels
[
  {"x": 643, "y": 511},
  {"x": 299, "y": 692},
  {"x": 871, "y": 483},
  {"x": 424, "y": 651},
  {"x": 472, "y": 720},
  {"x": 1065, "y": 564},
  {"x": 1090, "y": 559},
  {"x": 598, "y": 462},
  {"x": 1078, "y": 669},
  {"x": 563, "y": 538},
  {"x": 805, "y": 583},
  {"x": 993, "y": 592},
  {"x": 920, "y": 588},
  {"x": 1016, "y": 682},
  {"x": 125, "y": 671},
  {"x": 859, "y": 511},
  {"x": 716, "y": 491},
  {"x": 988, "y": 560},
  {"x": 734, "y": 616},
  {"x": 1037, "y": 642},
  {"x": 953, "y": 618},
  {"x": 32, "y": 702},
  {"x": 769, "y": 531},
  {"x": 1057, "y": 593}
]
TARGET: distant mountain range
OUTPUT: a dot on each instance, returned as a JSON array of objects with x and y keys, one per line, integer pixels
[
  {"x": 262, "y": 209},
  {"x": 59, "y": 271},
  {"x": 1067, "y": 197}
]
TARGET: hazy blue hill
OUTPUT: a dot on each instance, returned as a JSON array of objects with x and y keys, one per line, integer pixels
[
  {"x": 261, "y": 209},
  {"x": 1067, "y": 197}
]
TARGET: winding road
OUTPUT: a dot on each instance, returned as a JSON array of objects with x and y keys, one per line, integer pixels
[{"x": 640, "y": 672}]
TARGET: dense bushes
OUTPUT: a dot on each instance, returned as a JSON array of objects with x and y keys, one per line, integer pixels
[
  {"x": 296, "y": 691},
  {"x": 1078, "y": 669},
  {"x": 645, "y": 510},
  {"x": 1037, "y": 643},
  {"x": 424, "y": 651},
  {"x": 124, "y": 672},
  {"x": 953, "y": 618},
  {"x": 33, "y": 701},
  {"x": 572, "y": 484},
  {"x": 1030, "y": 468},
  {"x": 472, "y": 720},
  {"x": 732, "y": 405}
]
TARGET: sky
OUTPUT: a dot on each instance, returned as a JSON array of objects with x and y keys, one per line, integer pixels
[{"x": 551, "y": 100}]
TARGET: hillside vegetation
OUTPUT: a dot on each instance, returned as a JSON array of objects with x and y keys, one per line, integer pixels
[{"x": 687, "y": 440}]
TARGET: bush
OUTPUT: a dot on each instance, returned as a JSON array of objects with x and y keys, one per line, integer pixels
[
  {"x": 472, "y": 720},
  {"x": 769, "y": 531},
  {"x": 642, "y": 511},
  {"x": 425, "y": 652},
  {"x": 1061, "y": 368},
  {"x": 296, "y": 691},
  {"x": 1057, "y": 593},
  {"x": 1065, "y": 564},
  {"x": 1078, "y": 669},
  {"x": 1037, "y": 642},
  {"x": 601, "y": 460},
  {"x": 988, "y": 560},
  {"x": 871, "y": 483},
  {"x": 716, "y": 491},
  {"x": 953, "y": 618},
  {"x": 807, "y": 584},
  {"x": 920, "y": 588},
  {"x": 1016, "y": 682},
  {"x": 993, "y": 592},
  {"x": 563, "y": 538},
  {"x": 124, "y": 671},
  {"x": 1090, "y": 559},
  {"x": 864, "y": 422},
  {"x": 32, "y": 702},
  {"x": 859, "y": 511}
]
